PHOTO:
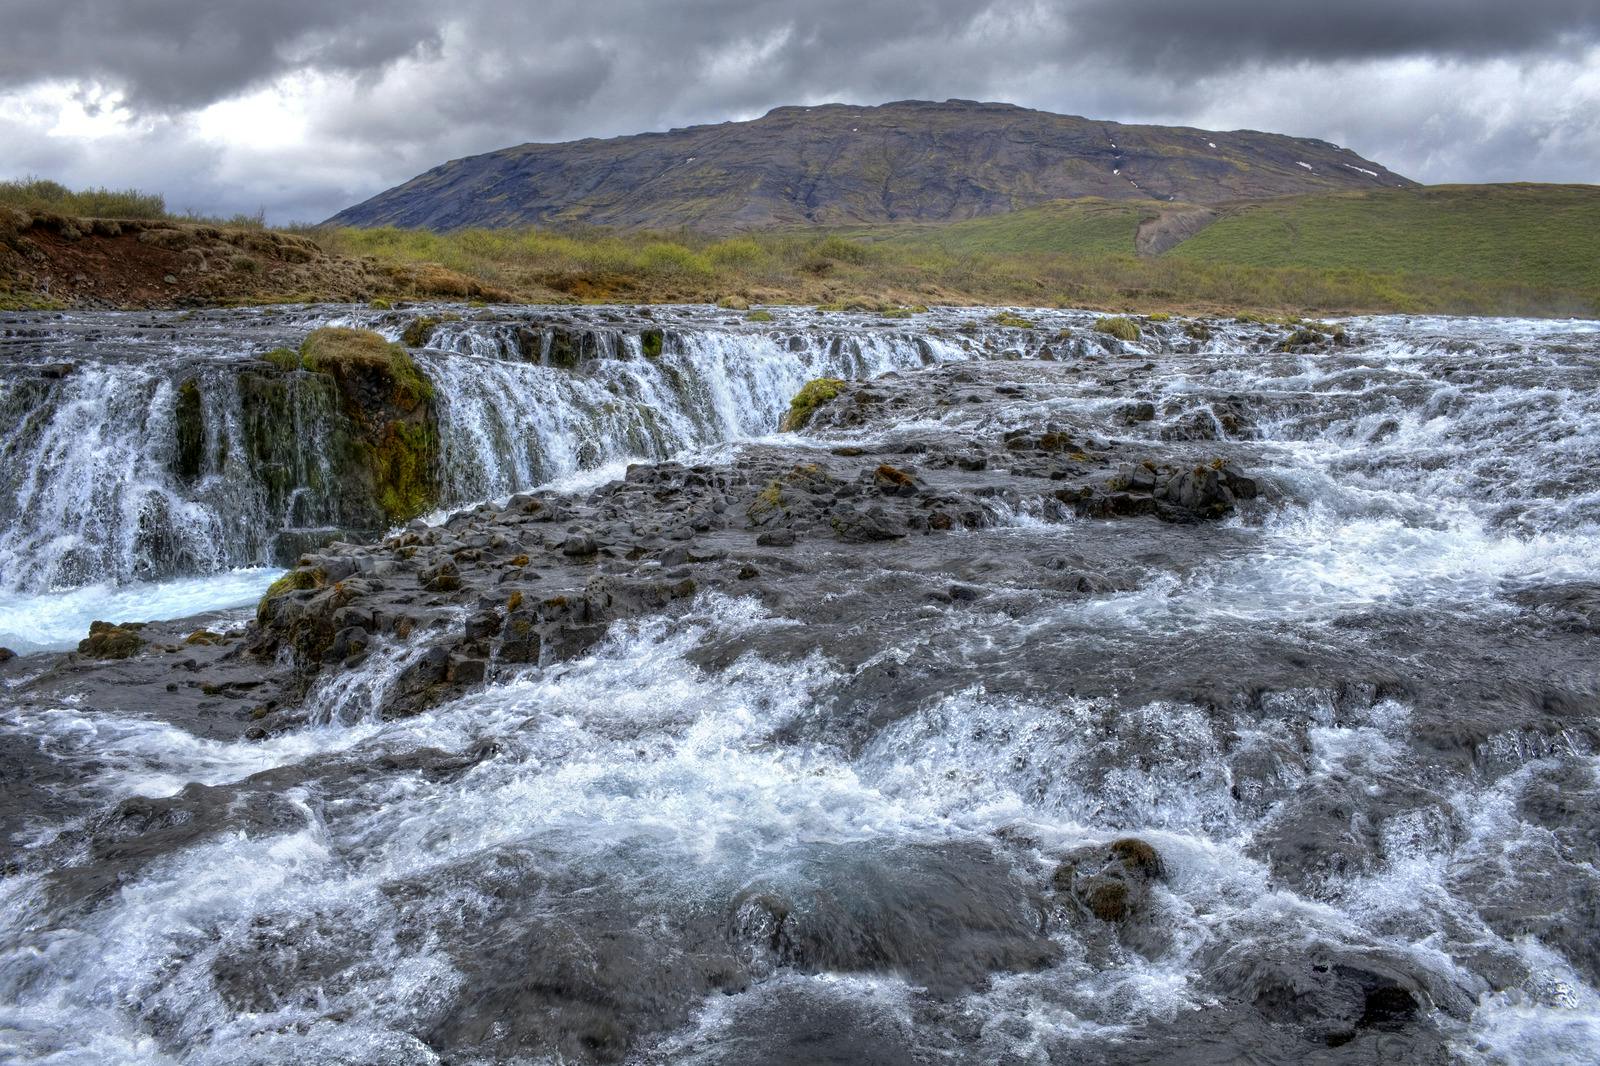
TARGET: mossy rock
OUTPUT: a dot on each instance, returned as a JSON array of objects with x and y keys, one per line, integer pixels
[
  {"x": 419, "y": 331},
  {"x": 402, "y": 469},
  {"x": 1009, "y": 320},
  {"x": 734, "y": 303},
  {"x": 389, "y": 451},
  {"x": 1124, "y": 329},
  {"x": 759, "y": 316},
  {"x": 285, "y": 359},
  {"x": 293, "y": 581},
  {"x": 109, "y": 641},
  {"x": 651, "y": 341},
  {"x": 190, "y": 429},
  {"x": 812, "y": 395},
  {"x": 565, "y": 350},
  {"x": 340, "y": 351}
]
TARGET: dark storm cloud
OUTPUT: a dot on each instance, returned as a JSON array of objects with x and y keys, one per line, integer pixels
[
  {"x": 175, "y": 54},
  {"x": 1438, "y": 89},
  {"x": 1211, "y": 34}
]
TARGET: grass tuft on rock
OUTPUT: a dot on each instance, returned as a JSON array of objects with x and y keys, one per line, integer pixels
[
  {"x": 1124, "y": 329},
  {"x": 337, "y": 349},
  {"x": 812, "y": 395}
]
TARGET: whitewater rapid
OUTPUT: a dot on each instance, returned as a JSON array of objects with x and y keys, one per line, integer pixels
[{"x": 1323, "y": 712}]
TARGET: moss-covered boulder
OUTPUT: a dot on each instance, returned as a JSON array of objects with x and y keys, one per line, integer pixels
[
  {"x": 812, "y": 395},
  {"x": 1124, "y": 329},
  {"x": 109, "y": 641},
  {"x": 389, "y": 403},
  {"x": 419, "y": 331}
]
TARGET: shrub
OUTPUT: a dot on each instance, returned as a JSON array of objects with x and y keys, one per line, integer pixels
[
  {"x": 39, "y": 194},
  {"x": 844, "y": 251},
  {"x": 674, "y": 260}
]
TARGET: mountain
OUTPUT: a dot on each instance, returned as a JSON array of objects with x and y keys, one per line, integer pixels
[{"x": 838, "y": 164}]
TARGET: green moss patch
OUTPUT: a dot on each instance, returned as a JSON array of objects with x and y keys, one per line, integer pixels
[
  {"x": 812, "y": 395},
  {"x": 402, "y": 469},
  {"x": 1012, "y": 321},
  {"x": 1125, "y": 329}
]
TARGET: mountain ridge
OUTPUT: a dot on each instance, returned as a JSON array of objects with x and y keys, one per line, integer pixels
[{"x": 846, "y": 164}]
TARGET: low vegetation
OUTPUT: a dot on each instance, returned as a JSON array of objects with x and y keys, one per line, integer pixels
[
  {"x": 337, "y": 350},
  {"x": 1466, "y": 249},
  {"x": 40, "y": 195}
]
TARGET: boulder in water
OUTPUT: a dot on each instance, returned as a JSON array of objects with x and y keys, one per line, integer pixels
[{"x": 1110, "y": 881}]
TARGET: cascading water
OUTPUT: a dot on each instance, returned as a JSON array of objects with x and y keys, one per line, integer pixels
[
  {"x": 850, "y": 799},
  {"x": 511, "y": 424},
  {"x": 99, "y": 489}
]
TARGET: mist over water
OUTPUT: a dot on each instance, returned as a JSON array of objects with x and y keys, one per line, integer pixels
[{"x": 1356, "y": 722}]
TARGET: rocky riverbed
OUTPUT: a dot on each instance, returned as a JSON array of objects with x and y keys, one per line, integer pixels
[{"x": 1224, "y": 693}]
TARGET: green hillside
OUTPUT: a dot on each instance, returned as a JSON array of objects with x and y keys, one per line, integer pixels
[
  {"x": 1089, "y": 226},
  {"x": 1540, "y": 235}
]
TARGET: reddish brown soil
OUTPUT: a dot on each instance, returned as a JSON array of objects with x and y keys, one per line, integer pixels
[{"x": 54, "y": 260}]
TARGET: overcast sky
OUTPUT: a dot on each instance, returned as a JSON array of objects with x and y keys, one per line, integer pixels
[{"x": 302, "y": 107}]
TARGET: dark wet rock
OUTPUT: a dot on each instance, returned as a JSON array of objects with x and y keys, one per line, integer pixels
[
  {"x": 859, "y": 525},
  {"x": 1331, "y": 828},
  {"x": 893, "y": 481},
  {"x": 6, "y": 655},
  {"x": 446, "y": 577},
  {"x": 1198, "y": 493},
  {"x": 1572, "y": 606},
  {"x": 944, "y": 917},
  {"x": 1132, "y": 414},
  {"x": 1332, "y": 993},
  {"x": 787, "y": 1025},
  {"x": 579, "y": 546}
]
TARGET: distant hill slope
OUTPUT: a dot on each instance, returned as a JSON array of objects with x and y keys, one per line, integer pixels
[
  {"x": 1532, "y": 234},
  {"x": 836, "y": 164},
  {"x": 1527, "y": 234}
]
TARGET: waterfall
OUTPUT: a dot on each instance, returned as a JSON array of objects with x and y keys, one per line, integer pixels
[
  {"x": 140, "y": 450},
  {"x": 509, "y": 424}
]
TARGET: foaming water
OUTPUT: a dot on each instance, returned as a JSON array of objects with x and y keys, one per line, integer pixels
[
  {"x": 352, "y": 889},
  {"x": 43, "y": 621}
]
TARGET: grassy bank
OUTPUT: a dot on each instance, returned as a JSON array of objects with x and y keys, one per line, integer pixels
[
  {"x": 1544, "y": 236},
  {"x": 1513, "y": 249},
  {"x": 1009, "y": 260}
]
